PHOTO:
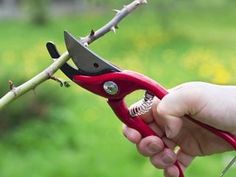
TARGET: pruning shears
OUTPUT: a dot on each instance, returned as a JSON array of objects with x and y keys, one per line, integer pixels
[{"x": 107, "y": 80}]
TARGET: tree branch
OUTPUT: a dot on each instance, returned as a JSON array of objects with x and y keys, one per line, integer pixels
[{"x": 16, "y": 92}]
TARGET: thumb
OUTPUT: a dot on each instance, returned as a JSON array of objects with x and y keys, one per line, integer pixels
[{"x": 172, "y": 108}]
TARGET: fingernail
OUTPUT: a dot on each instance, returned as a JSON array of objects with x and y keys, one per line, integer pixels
[
  {"x": 167, "y": 160},
  {"x": 153, "y": 147},
  {"x": 168, "y": 131}
]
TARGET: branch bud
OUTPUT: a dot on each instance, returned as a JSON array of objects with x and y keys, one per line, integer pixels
[
  {"x": 142, "y": 1},
  {"x": 82, "y": 38},
  {"x": 92, "y": 33},
  {"x": 113, "y": 29},
  {"x": 11, "y": 85},
  {"x": 86, "y": 44},
  {"x": 116, "y": 10}
]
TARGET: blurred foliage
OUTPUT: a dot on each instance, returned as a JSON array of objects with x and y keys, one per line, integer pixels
[
  {"x": 106, "y": 2},
  {"x": 38, "y": 10},
  {"x": 68, "y": 132}
]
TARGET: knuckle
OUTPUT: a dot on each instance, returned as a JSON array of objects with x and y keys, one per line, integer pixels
[
  {"x": 193, "y": 88},
  {"x": 156, "y": 162},
  {"x": 143, "y": 152},
  {"x": 161, "y": 109},
  {"x": 143, "y": 146},
  {"x": 150, "y": 146}
]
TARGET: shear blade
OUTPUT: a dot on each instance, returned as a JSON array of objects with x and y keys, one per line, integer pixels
[
  {"x": 228, "y": 166},
  {"x": 86, "y": 60}
]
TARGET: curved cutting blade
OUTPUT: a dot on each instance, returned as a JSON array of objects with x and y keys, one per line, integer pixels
[{"x": 86, "y": 60}]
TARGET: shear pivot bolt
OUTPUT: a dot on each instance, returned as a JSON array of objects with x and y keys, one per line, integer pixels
[{"x": 110, "y": 88}]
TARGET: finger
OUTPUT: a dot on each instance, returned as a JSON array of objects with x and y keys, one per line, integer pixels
[
  {"x": 185, "y": 99},
  {"x": 171, "y": 171},
  {"x": 164, "y": 159},
  {"x": 150, "y": 145},
  {"x": 131, "y": 134},
  {"x": 172, "y": 125},
  {"x": 159, "y": 132},
  {"x": 169, "y": 112},
  {"x": 184, "y": 159},
  {"x": 148, "y": 116},
  {"x": 169, "y": 143},
  {"x": 149, "y": 119}
]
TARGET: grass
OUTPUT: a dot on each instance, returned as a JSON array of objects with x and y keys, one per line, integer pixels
[{"x": 58, "y": 132}]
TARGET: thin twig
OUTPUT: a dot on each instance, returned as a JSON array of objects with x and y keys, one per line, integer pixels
[
  {"x": 60, "y": 81},
  {"x": 113, "y": 24},
  {"x": 48, "y": 72},
  {"x": 11, "y": 85},
  {"x": 57, "y": 80}
]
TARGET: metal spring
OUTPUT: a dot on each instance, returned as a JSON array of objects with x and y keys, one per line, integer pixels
[{"x": 142, "y": 106}]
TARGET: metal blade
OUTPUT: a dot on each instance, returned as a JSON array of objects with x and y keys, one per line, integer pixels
[
  {"x": 228, "y": 166},
  {"x": 85, "y": 59}
]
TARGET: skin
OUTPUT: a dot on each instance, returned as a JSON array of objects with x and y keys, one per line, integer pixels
[{"x": 214, "y": 105}]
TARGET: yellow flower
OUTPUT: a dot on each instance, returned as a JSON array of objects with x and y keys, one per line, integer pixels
[{"x": 207, "y": 65}]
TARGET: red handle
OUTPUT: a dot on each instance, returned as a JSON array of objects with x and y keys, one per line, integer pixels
[
  {"x": 128, "y": 82},
  {"x": 122, "y": 112},
  {"x": 138, "y": 81}
]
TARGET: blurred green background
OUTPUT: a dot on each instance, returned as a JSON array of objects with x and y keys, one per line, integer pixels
[{"x": 68, "y": 132}]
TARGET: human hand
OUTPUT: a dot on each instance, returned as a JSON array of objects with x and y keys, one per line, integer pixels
[{"x": 211, "y": 104}]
